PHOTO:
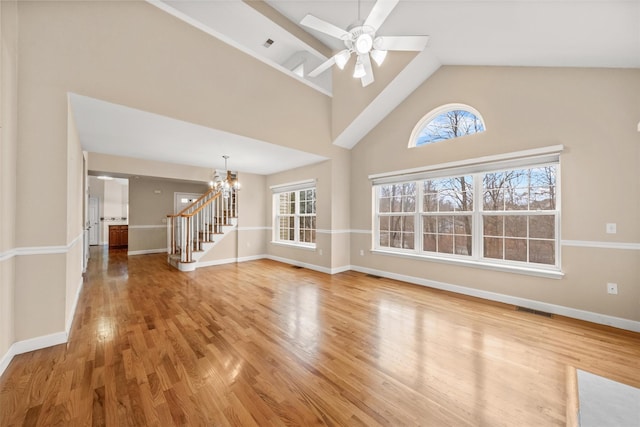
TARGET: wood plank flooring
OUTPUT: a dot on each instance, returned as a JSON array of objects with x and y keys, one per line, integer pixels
[{"x": 261, "y": 343}]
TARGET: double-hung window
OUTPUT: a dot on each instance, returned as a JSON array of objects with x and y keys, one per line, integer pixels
[
  {"x": 294, "y": 208},
  {"x": 501, "y": 214}
]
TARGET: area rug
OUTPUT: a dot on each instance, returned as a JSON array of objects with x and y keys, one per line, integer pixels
[{"x": 607, "y": 403}]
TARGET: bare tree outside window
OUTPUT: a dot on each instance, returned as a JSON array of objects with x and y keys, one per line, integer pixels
[
  {"x": 516, "y": 210},
  {"x": 397, "y": 202},
  {"x": 449, "y": 125},
  {"x": 527, "y": 235},
  {"x": 447, "y": 220}
]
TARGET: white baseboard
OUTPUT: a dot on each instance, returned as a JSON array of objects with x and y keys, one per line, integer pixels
[
  {"x": 588, "y": 316},
  {"x": 251, "y": 258},
  {"x": 229, "y": 260},
  {"x": 75, "y": 305},
  {"x": 148, "y": 251},
  {"x": 216, "y": 262},
  {"x": 314, "y": 267},
  {"x": 31, "y": 345}
]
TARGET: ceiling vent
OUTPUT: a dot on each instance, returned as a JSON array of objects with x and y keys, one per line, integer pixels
[{"x": 268, "y": 43}]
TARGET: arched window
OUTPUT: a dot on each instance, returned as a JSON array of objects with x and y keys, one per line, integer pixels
[{"x": 446, "y": 122}]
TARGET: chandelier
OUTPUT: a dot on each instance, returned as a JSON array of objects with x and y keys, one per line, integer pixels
[{"x": 226, "y": 184}]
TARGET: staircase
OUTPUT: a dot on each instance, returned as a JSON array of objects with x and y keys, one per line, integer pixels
[{"x": 195, "y": 230}]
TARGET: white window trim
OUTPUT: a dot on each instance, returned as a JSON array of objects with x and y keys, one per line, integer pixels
[
  {"x": 431, "y": 115},
  {"x": 287, "y": 188},
  {"x": 520, "y": 159}
]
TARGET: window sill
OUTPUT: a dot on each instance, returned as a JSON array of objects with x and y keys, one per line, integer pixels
[
  {"x": 530, "y": 271},
  {"x": 294, "y": 245}
]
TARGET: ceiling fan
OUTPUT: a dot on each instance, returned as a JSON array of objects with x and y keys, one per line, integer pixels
[{"x": 360, "y": 38}]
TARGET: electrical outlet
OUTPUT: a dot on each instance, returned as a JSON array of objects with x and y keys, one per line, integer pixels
[
  {"x": 320, "y": 251},
  {"x": 361, "y": 252},
  {"x": 612, "y": 228},
  {"x": 612, "y": 288}
]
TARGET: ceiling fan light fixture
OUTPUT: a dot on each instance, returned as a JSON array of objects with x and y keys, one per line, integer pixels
[
  {"x": 378, "y": 56},
  {"x": 363, "y": 43},
  {"x": 359, "y": 71},
  {"x": 342, "y": 58}
]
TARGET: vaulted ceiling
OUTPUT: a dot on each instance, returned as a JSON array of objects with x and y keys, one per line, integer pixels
[{"x": 568, "y": 33}]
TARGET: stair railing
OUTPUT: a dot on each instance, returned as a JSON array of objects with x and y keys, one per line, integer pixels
[{"x": 199, "y": 222}]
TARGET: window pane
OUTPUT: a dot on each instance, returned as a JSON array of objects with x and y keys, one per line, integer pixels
[
  {"x": 384, "y": 205},
  {"x": 448, "y": 125},
  {"x": 384, "y": 239},
  {"x": 445, "y": 243},
  {"x": 395, "y": 239},
  {"x": 283, "y": 203},
  {"x": 409, "y": 204},
  {"x": 430, "y": 203},
  {"x": 448, "y": 194},
  {"x": 394, "y": 223},
  {"x": 515, "y": 249},
  {"x": 542, "y": 226},
  {"x": 463, "y": 245},
  {"x": 429, "y": 224},
  {"x": 542, "y": 198},
  {"x": 408, "y": 240},
  {"x": 517, "y": 198},
  {"x": 493, "y": 187},
  {"x": 542, "y": 252},
  {"x": 493, "y": 247},
  {"x": 445, "y": 224},
  {"x": 429, "y": 243},
  {"x": 384, "y": 223},
  {"x": 493, "y": 225},
  {"x": 462, "y": 224},
  {"x": 515, "y": 226},
  {"x": 407, "y": 223}
]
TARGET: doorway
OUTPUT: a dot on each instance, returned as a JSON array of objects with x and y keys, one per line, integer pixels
[{"x": 94, "y": 221}]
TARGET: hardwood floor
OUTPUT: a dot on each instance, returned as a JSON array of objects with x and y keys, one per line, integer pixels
[{"x": 263, "y": 343}]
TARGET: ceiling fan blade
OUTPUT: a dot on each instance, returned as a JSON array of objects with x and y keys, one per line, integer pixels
[
  {"x": 413, "y": 43},
  {"x": 379, "y": 13},
  {"x": 318, "y": 24},
  {"x": 367, "y": 79},
  {"x": 322, "y": 67}
]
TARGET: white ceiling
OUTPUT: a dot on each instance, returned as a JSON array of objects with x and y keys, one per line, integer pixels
[
  {"x": 576, "y": 33},
  {"x": 562, "y": 33},
  {"x": 114, "y": 129}
]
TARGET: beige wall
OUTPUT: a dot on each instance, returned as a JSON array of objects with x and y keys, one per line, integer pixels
[
  {"x": 592, "y": 112},
  {"x": 248, "y": 240},
  {"x": 332, "y": 213},
  {"x": 150, "y": 201},
  {"x": 161, "y": 68},
  {"x": 8, "y": 149},
  {"x": 40, "y": 295},
  {"x": 350, "y": 98},
  {"x": 128, "y": 166},
  {"x": 75, "y": 216}
]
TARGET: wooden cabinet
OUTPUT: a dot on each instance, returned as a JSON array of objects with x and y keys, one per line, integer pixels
[{"x": 118, "y": 236}]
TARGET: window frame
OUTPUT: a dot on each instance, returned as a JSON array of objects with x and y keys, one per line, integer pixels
[
  {"x": 294, "y": 188},
  {"x": 478, "y": 168}
]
